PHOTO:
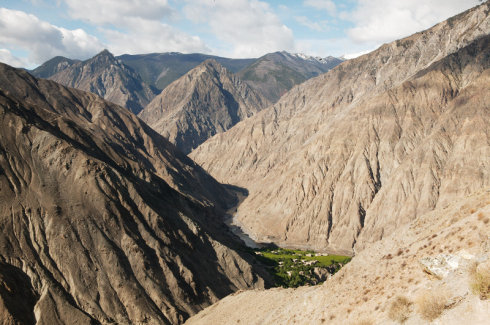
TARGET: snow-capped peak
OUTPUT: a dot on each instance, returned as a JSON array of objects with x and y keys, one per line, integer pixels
[{"x": 306, "y": 57}]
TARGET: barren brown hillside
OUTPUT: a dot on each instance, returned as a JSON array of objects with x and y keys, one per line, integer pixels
[{"x": 350, "y": 156}]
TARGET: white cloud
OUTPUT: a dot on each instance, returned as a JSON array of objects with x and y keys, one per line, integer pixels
[
  {"x": 249, "y": 28},
  {"x": 386, "y": 20},
  {"x": 337, "y": 47},
  {"x": 7, "y": 57},
  {"x": 327, "y": 5},
  {"x": 118, "y": 12},
  {"x": 318, "y": 26},
  {"x": 135, "y": 26},
  {"x": 41, "y": 40},
  {"x": 152, "y": 36}
]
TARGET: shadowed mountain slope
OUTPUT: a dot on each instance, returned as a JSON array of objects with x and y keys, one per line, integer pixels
[
  {"x": 103, "y": 220},
  {"x": 346, "y": 158},
  {"x": 207, "y": 100}
]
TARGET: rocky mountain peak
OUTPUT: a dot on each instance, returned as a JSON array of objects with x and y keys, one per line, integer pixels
[
  {"x": 109, "y": 78},
  {"x": 212, "y": 64},
  {"x": 212, "y": 68},
  {"x": 205, "y": 101},
  {"x": 104, "y": 55},
  {"x": 106, "y": 60}
]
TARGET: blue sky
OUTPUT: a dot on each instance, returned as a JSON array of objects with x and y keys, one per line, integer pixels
[{"x": 33, "y": 31}]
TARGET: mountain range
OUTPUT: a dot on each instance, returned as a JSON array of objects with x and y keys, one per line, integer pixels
[
  {"x": 138, "y": 78},
  {"x": 194, "y": 105},
  {"x": 161, "y": 69},
  {"x": 386, "y": 158}
]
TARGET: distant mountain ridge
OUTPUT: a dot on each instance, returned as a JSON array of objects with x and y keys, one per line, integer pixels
[
  {"x": 274, "y": 74},
  {"x": 161, "y": 69},
  {"x": 207, "y": 100},
  {"x": 271, "y": 75}
]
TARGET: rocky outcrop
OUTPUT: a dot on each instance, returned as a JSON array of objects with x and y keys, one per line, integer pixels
[
  {"x": 109, "y": 78},
  {"x": 273, "y": 74},
  {"x": 364, "y": 290},
  {"x": 348, "y": 157},
  {"x": 205, "y": 101},
  {"x": 103, "y": 220}
]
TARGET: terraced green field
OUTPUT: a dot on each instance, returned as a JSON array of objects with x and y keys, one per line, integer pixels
[{"x": 294, "y": 268}]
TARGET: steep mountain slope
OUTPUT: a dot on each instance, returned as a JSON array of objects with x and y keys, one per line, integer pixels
[
  {"x": 105, "y": 76},
  {"x": 207, "y": 100},
  {"x": 161, "y": 69},
  {"x": 275, "y": 73},
  {"x": 347, "y": 157},
  {"x": 365, "y": 290},
  {"x": 52, "y": 67},
  {"x": 103, "y": 220}
]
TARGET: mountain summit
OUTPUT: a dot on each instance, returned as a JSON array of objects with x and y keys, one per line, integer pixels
[
  {"x": 107, "y": 77},
  {"x": 207, "y": 100}
]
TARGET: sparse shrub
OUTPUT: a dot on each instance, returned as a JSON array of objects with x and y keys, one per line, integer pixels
[
  {"x": 480, "y": 280},
  {"x": 400, "y": 309},
  {"x": 431, "y": 304}
]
